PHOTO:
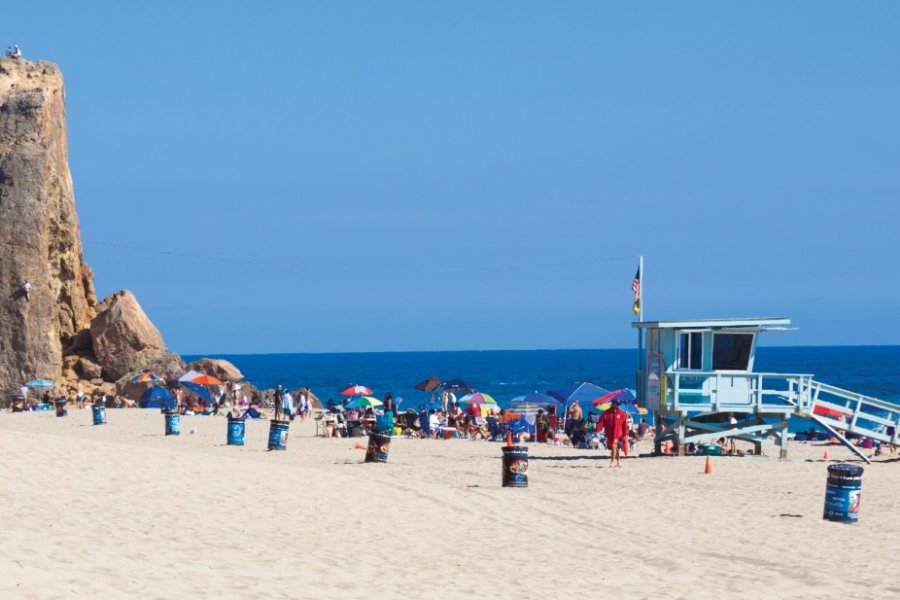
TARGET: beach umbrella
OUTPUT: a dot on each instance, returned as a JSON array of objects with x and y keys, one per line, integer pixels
[
  {"x": 190, "y": 375},
  {"x": 534, "y": 398},
  {"x": 197, "y": 389},
  {"x": 623, "y": 396},
  {"x": 147, "y": 377},
  {"x": 578, "y": 392},
  {"x": 39, "y": 383},
  {"x": 363, "y": 401},
  {"x": 206, "y": 380},
  {"x": 477, "y": 398},
  {"x": 356, "y": 390},
  {"x": 430, "y": 384},
  {"x": 456, "y": 384}
]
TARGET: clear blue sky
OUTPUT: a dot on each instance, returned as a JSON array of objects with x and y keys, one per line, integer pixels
[{"x": 424, "y": 175}]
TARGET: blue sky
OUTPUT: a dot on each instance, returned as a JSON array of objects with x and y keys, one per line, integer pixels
[{"x": 362, "y": 176}]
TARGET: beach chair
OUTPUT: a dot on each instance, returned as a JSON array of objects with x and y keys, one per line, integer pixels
[{"x": 320, "y": 422}]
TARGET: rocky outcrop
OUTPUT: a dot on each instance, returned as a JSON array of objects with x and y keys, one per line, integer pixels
[
  {"x": 123, "y": 338},
  {"x": 39, "y": 230},
  {"x": 222, "y": 369},
  {"x": 57, "y": 331}
]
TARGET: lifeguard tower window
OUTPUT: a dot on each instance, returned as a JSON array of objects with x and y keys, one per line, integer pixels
[
  {"x": 690, "y": 350},
  {"x": 731, "y": 351}
]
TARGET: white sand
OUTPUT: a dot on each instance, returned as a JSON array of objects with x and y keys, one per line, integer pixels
[{"x": 120, "y": 511}]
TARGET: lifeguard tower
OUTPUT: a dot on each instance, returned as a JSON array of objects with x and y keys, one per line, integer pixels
[{"x": 700, "y": 373}]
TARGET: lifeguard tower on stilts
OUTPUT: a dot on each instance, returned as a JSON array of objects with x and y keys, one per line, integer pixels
[{"x": 697, "y": 374}]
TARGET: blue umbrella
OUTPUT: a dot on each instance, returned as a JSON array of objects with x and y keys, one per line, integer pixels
[
  {"x": 197, "y": 389},
  {"x": 578, "y": 392},
  {"x": 40, "y": 383},
  {"x": 534, "y": 398}
]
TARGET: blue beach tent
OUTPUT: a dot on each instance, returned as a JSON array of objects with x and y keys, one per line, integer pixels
[{"x": 156, "y": 397}]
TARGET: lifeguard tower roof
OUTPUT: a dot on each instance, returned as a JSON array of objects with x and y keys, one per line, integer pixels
[{"x": 755, "y": 323}]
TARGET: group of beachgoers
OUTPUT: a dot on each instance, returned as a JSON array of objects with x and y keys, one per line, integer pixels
[{"x": 613, "y": 429}]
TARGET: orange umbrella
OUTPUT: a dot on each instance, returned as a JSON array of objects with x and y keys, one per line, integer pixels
[{"x": 206, "y": 380}]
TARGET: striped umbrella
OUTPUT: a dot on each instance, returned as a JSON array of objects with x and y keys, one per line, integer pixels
[
  {"x": 477, "y": 398},
  {"x": 147, "y": 378}
]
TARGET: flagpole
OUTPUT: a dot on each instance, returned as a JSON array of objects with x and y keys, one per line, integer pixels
[
  {"x": 640, "y": 373},
  {"x": 641, "y": 287}
]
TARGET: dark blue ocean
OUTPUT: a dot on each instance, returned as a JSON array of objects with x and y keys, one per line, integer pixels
[{"x": 870, "y": 370}]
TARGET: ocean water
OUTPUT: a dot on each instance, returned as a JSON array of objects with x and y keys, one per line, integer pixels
[{"x": 870, "y": 370}]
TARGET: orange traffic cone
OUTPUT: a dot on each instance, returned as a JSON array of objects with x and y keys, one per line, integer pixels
[
  {"x": 360, "y": 446},
  {"x": 509, "y": 442},
  {"x": 708, "y": 470},
  {"x": 825, "y": 456},
  {"x": 666, "y": 449}
]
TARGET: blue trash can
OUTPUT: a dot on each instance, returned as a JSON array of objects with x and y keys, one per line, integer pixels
[
  {"x": 236, "y": 429},
  {"x": 99, "y": 414},
  {"x": 515, "y": 466},
  {"x": 842, "y": 493},
  {"x": 378, "y": 448},
  {"x": 278, "y": 434},
  {"x": 173, "y": 422}
]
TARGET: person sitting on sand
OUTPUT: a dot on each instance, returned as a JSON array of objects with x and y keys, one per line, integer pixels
[{"x": 253, "y": 412}]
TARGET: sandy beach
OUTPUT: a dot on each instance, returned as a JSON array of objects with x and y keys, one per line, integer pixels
[{"x": 120, "y": 511}]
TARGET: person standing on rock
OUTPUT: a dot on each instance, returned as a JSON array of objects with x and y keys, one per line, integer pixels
[{"x": 26, "y": 290}]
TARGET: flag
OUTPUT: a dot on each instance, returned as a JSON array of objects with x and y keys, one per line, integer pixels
[{"x": 636, "y": 288}]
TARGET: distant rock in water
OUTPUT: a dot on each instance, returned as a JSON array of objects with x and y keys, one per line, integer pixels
[
  {"x": 56, "y": 330},
  {"x": 38, "y": 228}
]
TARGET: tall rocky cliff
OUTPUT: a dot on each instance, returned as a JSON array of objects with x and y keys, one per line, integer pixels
[
  {"x": 39, "y": 232},
  {"x": 57, "y": 330}
]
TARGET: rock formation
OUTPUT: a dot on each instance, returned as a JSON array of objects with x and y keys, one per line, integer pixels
[
  {"x": 57, "y": 331},
  {"x": 217, "y": 367},
  {"x": 124, "y": 340},
  {"x": 39, "y": 228}
]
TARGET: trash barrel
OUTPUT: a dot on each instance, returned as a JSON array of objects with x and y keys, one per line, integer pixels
[
  {"x": 173, "y": 422},
  {"x": 515, "y": 466},
  {"x": 236, "y": 429},
  {"x": 842, "y": 493},
  {"x": 278, "y": 434},
  {"x": 379, "y": 446},
  {"x": 98, "y": 411}
]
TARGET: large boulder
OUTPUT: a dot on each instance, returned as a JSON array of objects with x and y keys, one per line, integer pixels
[
  {"x": 39, "y": 228},
  {"x": 124, "y": 340},
  {"x": 221, "y": 369}
]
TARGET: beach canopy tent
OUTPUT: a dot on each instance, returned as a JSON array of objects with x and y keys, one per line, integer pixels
[
  {"x": 39, "y": 383},
  {"x": 582, "y": 392},
  {"x": 156, "y": 397},
  {"x": 197, "y": 389},
  {"x": 430, "y": 384}
]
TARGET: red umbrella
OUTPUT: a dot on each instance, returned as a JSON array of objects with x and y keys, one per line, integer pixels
[
  {"x": 356, "y": 390},
  {"x": 206, "y": 380}
]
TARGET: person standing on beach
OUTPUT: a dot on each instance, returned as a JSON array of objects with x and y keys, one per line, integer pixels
[
  {"x": 287, "y": 404},
  {"x": 615, "y": 426}
]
